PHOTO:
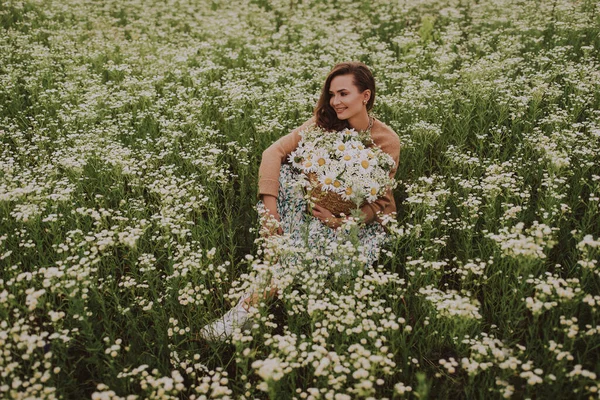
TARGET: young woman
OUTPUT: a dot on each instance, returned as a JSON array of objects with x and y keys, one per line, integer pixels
[{"x": 347, "y": 96}]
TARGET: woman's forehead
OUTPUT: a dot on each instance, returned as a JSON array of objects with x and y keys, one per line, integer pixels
[{"x": 342, "y": 82}]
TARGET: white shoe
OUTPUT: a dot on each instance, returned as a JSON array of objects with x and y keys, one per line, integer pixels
[{"x": 222, "y": 328}]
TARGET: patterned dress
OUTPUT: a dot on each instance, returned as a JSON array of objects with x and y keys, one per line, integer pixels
[{"x": 306, "y": 231}]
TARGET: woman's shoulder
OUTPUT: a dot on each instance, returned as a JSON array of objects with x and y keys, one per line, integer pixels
[
  {"x": 287, "y": 143},
  {"x": 295, "y": 132},
  {"x": 307, "y": 123},
  {"x": 381, "y": 132}
]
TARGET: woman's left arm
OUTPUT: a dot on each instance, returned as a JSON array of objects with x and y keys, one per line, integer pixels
[
  {"x": 370, "y": 210},
  {"x": 390, "y": 143}
]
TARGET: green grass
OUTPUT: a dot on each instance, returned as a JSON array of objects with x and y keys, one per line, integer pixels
[{"x": 130, "y": 139}]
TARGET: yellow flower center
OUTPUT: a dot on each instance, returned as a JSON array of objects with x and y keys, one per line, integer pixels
[
  {"x": 308, "y": 164},
  {"x": 365, "y": 164},
  {"x": 321, "y": 162},
  {"x": 348, "y": 191},
  {"x": 328, "y": 181},
  {"x": 373, "y": 191},
  {"x": 337, "y": 184},
  {"x": 342, "y": 147},
  {"x": 347, "y": 157}
]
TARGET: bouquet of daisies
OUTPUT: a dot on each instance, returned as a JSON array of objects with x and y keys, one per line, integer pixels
[{"x": 342, "y": 170}]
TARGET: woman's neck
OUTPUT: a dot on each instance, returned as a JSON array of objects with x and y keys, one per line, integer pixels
[{"x": 360, "y": 122}]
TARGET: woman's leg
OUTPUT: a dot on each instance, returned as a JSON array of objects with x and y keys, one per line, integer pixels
[
  {"x": 290, "y": 206},
  {"x": 255, "y": 298}
]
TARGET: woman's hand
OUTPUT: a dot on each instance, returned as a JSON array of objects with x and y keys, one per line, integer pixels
[
  {"x": 326, "y": 217},
  {"x": 270, "y": 203}
]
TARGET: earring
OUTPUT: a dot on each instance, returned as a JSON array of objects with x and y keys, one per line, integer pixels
[{"x": 364, "y": 102}]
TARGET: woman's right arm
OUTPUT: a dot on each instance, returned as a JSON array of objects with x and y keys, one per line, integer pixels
[
  {"x": 273, "y": 157},
  {"x": 270, "y": 203},
  {"x": 268, "y": 172}
]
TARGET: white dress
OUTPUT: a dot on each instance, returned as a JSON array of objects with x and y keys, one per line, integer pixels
[{"x": 306, "y": 231}]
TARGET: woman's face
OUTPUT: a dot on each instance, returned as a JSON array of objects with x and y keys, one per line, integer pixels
[{"x": 346, "y": 99}]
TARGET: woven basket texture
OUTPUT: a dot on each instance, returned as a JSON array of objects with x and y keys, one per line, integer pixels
[{"x": 329, "y": 200}]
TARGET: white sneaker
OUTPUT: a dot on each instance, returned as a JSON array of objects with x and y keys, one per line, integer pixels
[{"x": 222, "y": 328}]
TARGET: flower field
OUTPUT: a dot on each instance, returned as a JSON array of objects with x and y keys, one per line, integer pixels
[{"x": 130, "y": 138}]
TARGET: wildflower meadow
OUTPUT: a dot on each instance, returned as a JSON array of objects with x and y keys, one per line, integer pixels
[{"x": 131, "y": 133}]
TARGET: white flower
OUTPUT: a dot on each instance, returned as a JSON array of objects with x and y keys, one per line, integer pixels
[
  {"x": 349, "y": 157},
  {"x": 356, "y": 145},
  {"x": 321, "y": 158},
  {"x": 373, "y": 191},
  {"x": 365, "y": 163},
  {"x": 340, "y": 147},
  {"x": 309, "y": 164},
  {"x": 349, "y": 133},
  {"x": 349, "y": 193},
  {"x": 327, "y": 181},
  {"x": 297, "y": 157}
]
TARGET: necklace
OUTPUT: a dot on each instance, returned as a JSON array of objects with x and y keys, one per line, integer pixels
[{"x": 370, "y": 125}]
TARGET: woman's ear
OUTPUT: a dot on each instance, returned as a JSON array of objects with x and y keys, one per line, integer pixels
[{"x": 367, "y": 95}]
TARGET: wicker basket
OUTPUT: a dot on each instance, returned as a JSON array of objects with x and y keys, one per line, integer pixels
[{"x": 329, "y": 200}]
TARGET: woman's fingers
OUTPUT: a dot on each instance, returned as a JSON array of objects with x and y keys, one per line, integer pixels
[
  {"x": 278, "y": 218},
  {"x": 321, "y": 211},
  {"x": 323, "y": 214},
  {"x": 271, "y": 223}
]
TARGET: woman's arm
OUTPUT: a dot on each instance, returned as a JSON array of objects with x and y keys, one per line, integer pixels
[
  {"x": 370, "y": 210},
  {"x": 389, "y": 142},
  {"x": 268, "y": 172},
  {"x": 273, "y": 157},
  {"x": 270, "y": 203}
]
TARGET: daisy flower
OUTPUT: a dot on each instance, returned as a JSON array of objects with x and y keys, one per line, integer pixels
[
  {"x": 328, "y": 179},
  {"x": 309, "y": 164},
  {"x": 356, "y": 145},
  {"x": 340, "y": 147},
  {"x": 349, "y": 133},
  {"x": 372, "y": 191},
  {"x": 348, "y": 157},
  {"x": 321, "y": 158},
  {"x": 348, "y": 193},
  {"x": 296, "y": 158},
  {"x": 365, "y": 164}
]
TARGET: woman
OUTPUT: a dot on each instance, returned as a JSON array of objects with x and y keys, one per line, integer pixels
[{"x": 347, "y": 96}]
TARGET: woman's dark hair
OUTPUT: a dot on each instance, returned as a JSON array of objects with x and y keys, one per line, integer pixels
[{"x": 325, "y": 115}]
